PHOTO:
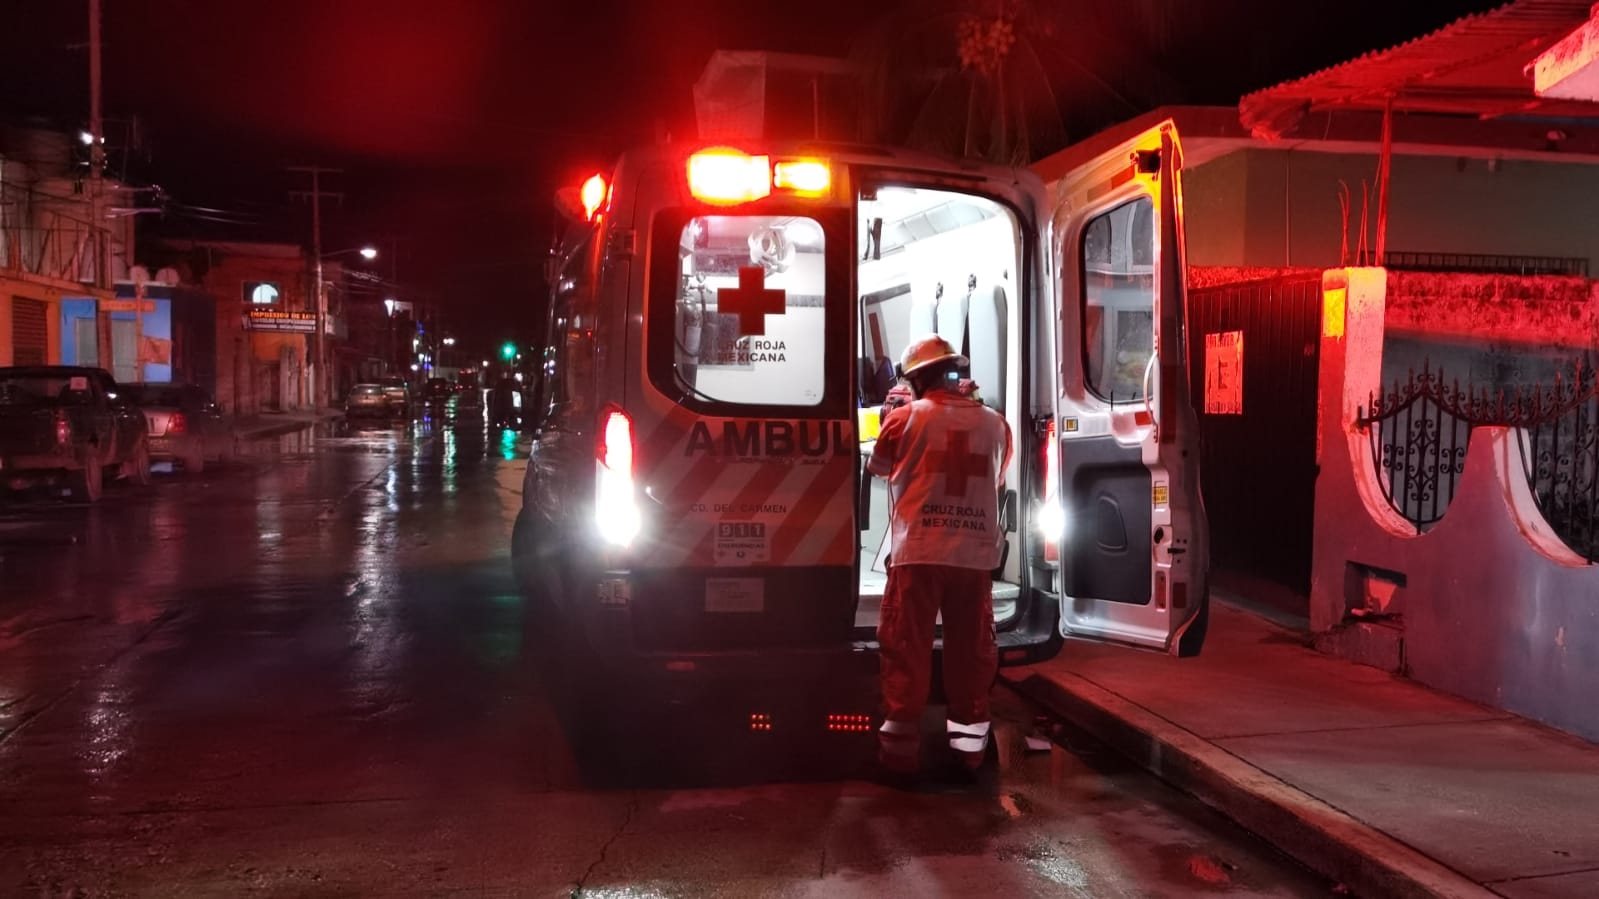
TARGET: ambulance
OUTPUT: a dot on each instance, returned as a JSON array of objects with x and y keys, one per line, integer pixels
[{"x": 724, "y": 324}]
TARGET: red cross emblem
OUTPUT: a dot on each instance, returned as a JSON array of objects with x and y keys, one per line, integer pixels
[
  {"x": 750, "y": 301},
  {"x": 956, "y": 462}
]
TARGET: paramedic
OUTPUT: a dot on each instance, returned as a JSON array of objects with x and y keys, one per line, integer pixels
[{"x": 944, "y": 455}]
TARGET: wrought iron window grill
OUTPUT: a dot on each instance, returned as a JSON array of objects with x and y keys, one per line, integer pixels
[{"x": 1420, "y": 429}]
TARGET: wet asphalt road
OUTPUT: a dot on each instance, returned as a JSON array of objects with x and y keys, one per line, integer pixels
[{"x": 308, "y": 673}]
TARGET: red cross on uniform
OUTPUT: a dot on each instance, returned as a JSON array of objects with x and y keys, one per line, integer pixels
[
  {"x": 957, "y": 463},
  {"x": 750, "y": 301}
]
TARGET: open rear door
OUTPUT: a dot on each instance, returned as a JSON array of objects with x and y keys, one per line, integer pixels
[{"x": 1134, "y": 551}]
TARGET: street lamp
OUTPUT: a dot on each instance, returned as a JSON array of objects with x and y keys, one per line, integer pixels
[
  {"x": 367, "y": 252},
  {"x": 320, "y": 382}
]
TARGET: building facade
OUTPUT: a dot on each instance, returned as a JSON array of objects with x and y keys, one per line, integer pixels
[{"x": 60, "y": 252}]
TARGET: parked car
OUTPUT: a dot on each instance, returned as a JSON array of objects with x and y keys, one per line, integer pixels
[
  {"x": 186, "y": 425},
  {"x": 368, "y": 401},
  {"x": 399, "y": 393},
  {"x": 69, "y": 425}
]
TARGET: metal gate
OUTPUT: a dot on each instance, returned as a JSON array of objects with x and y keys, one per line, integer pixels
[
  {"x": 30, "y": 334},
  {"x": 1254, "y": 349}
]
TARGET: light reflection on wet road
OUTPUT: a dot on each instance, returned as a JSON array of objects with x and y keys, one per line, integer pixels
[{"x": 308, "y": 673}]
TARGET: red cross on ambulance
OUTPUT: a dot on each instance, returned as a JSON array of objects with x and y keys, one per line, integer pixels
[
  {"x": 751, "y": 301},
  {"x": 957, "y": 463}
]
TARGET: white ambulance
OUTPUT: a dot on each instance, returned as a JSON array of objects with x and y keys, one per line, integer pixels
[{"x": 723, "y": 328}]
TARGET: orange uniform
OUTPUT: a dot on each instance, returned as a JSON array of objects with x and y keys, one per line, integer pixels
[{"x": 944, "y": 456}]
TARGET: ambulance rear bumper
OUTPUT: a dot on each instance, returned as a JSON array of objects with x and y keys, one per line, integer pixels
[{"x": 1032, "y": 639}]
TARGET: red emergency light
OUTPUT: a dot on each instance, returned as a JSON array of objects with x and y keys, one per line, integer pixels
[
  {"x": 852, "y": 724},
  {"x": 725, "y": 176},
  {"x": 595, "y": 194},
  {"x": 760, "y": 722}
]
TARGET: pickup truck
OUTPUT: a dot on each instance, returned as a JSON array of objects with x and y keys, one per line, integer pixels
[{"x": 69, "y": 425}]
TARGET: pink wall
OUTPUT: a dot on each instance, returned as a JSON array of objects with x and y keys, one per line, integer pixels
[{"x": 1493, "y": 607}]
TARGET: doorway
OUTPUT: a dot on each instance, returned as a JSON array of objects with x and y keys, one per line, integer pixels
[{"x": 934, "y": 261}]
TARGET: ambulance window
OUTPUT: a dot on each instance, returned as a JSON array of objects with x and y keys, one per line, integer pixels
[
  {"x": 749, "y": 324},
  {"x": 566, "y": 357},
  {"x": 1118, "y": 273}
]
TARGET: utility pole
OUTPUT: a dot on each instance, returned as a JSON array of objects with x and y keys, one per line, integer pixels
[
  {"x": 319, "y": 379},
  {"x": 96, "y": 147}
]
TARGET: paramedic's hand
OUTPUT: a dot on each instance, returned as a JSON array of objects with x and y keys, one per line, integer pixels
[
  {"x": 885, "y": 452},
  {"x": 899, "y": 395}
]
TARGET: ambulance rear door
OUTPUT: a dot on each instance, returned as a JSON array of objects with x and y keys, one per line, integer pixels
[
  {"x": 743, "y": 413},
  {"x": 1133, "y": 545}
]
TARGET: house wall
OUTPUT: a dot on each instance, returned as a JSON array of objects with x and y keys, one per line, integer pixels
[
  {"x": 1280, "y": 207},
  {"x": 246, "y": 379},
  {"x": 1488, "y": 603},
  {"x": 49, "y": 293}
]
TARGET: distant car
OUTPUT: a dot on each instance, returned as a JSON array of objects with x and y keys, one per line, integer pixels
[
  {"x": 69, "y": 424},
  {"x": 437, "y": 391},
  {"x": 506, "y": 405},
  {"x": 186, "y": 425},
  {"x": 399, "y": 394},
  {"x": 369, "y": 401}
]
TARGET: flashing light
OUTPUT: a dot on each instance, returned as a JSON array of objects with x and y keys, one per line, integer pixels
[
  {"x": 1051, "y": 515},
  {"x": 594, "y": 194},
  {"x": 805, "y": 177},
  {"x": 369, "y": 253},
  {"x": 177, "y": 424},
  {"x": 850, "y": 724},
  {"x": 63, "y": 428},
  {"x": 760, "y": 722},
  {"x": 616, "y": 511},
  {"x": 725, "y": 176},
  {"x": 485, "y": 363},
  {"x": 508, "y": 351},
  {"x": 449, "y": 341}
]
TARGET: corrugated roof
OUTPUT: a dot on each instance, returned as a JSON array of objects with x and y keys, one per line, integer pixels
[{"x": 1473, "y": 66}]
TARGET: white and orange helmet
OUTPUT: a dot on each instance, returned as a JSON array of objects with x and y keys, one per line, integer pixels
[{"x": 928, "y": 351}]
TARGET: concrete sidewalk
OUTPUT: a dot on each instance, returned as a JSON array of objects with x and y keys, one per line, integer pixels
[
  {"x": 272, "y": 424},
  {"x": 1388, "y": 787}
]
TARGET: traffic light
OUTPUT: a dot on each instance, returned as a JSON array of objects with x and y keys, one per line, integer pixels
[{"x": 508, "y": 351}]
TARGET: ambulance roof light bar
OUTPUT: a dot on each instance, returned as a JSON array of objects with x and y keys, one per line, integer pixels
[
  {"x": 724, "y": 176},
  {"x": 806, "y": 177}
]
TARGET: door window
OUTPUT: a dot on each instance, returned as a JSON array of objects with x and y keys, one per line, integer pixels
[
  {"x": 1118, "y": 276},
  {"x": 749, "y": 314}
]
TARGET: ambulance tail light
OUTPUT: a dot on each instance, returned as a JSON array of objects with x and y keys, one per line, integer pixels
[
  {"x": 1051, "y": 515},
  {"x": 616, "y": 512},
  {"x": 725, "y": 176}
]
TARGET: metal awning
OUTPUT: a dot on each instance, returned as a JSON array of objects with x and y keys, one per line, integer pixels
[{"x": 1476, "y": 66}]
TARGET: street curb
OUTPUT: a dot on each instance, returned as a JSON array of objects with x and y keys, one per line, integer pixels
[
  {"x": 1324, "y": 839},
  {"x": 279, "y": 429}
]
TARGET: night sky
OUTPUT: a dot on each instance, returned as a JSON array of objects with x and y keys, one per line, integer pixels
[{"x": 456, "y": 121}]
